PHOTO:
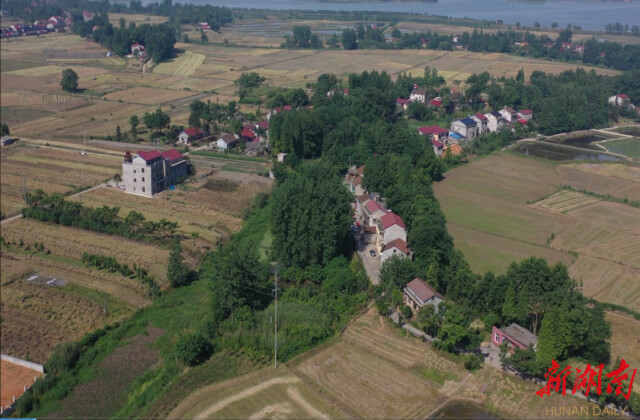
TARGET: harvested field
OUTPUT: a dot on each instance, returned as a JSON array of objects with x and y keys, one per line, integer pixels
[
  {"x": 265, "y": 394},
  {"x": 136, "y": 18},
  {"x": 103, "y": 395},
  {"x": 36, "y": 317},
  {"x": 72, "y": 242},
  {"x": 13, "y": 380},
  {"x": 565, "y": 200},
  {"x": 593, "y": 179},
  {"x": 147, "y": 96},
  {"x": 625, "y": 340},
  {"x": 382, "y": 390},
  {"x": 485, "y": 203},
  {"x": 184, "y": 65}
]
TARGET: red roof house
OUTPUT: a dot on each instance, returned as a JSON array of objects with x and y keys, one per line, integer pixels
[
  {"x": 149, "y": 155},
  {"x": 172, "y": 154}
]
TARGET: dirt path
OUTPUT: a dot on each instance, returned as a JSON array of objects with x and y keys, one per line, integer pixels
[{"x": 247, "y": 393}]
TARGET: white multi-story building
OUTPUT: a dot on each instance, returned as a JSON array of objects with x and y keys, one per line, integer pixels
[{"x": 151, "y": 172}]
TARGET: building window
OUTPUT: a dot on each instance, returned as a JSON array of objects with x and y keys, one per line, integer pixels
[
  {"x": 142, "y": 179},
  {"x": 135, "y": 180},
  {"x": 134, "y": 171},
  {"x": 142, "y": 170},
  {"x": 143, "y": 189},
  {"x": 497, "y": 338}
]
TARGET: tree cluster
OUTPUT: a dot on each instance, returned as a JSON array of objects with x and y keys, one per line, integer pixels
[
  {"x": 55, "y": 209},
  {"x": 302, "y": 38},
  {"x": 156, "y": 121},
  {"x": 69, "y": 81},
  {"x": 104, "y": 262}
]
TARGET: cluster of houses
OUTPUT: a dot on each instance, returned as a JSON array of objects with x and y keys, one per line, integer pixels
[
  {"x": 53, "y": 24},
  {"x": 253, "y": 136},
  {"x": 464, "y": 129},
  {"x": 151, "y": 172}
]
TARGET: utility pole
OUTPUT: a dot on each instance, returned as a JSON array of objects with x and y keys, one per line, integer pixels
[
  {"x": 26, "y": 206},
  {"x": 275, "y": 337}
]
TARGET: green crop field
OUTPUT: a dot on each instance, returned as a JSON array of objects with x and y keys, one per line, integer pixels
[{"x": 627, "y": 147}]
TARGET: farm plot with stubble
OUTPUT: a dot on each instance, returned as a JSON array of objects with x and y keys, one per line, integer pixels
[{"x": 498, "y": 214}]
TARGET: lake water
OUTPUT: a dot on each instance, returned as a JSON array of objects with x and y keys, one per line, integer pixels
[{"x": 590, "y": 14}]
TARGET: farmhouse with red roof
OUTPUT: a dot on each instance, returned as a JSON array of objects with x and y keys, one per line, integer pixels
[
  {"x": 190, "y": 134},
  {"x": 515, "y": 336},
  {"x": 525, "y": 114},
  {"x": 482, "y": 122},
  {"x": 152, "y": 172},
  {"x": 621, "y": 99},
  {"x": 389, "y": 227},
  {"x": 396, "y": 247}
]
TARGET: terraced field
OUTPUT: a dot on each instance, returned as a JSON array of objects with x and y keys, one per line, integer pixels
[
  {"x": 184, "y": 65},
  {"x": 565, "y": 200}
]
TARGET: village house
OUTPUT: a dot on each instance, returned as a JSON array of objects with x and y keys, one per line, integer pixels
[
  {"x": 396, "y": 247},
  {"x": 226, "y": 141},
  {"x": 204, "y": 26},
  {"x": 87, "y": 16},
  {"x": 418, "y": 95},
  {"x": 389, "y": 227},
  {"x": 515, "y": 336},
  {"x": 465, "y": 127},
  {"x": 419, "y": 293},
  {"x": 620, "y": 100},
  {"x": 482, "y": 122},
  {"x": 402, "y": 104},
  {"x": 353, "y": 180},
  {"x": 190, "y": 134},
  {"x": 372, "y": 212},
  {"x": 525, "y": 114},
  {"x": 151, "y": 172},
  {"x": 436, "y": 102},
  {"x": 508, "y": 113},
  {"x": 434, "y": 132},
  {"x": 255, "y": 146},
  {"x": 438, "y": 147},
  {"x": 495, "y": 121},
  {"x": 248, "y": 133},
  {"x": 138, "y": 50},
  {"x": 274, "y": 111}
]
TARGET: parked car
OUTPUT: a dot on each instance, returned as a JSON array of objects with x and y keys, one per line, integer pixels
[{"x": 372, "y": 253}]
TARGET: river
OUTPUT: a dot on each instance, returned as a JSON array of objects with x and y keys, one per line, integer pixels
[{"x": 589, "y": 14}]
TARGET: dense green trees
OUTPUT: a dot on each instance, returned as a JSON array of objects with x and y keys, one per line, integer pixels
[
  {"x": 349, "y": 39},
  {"x": 193, "y": 349},
  {"x": 177, "y": 271},
  {"x": 69, "y": 81},
  {"x": 5, "y": 130},
  {"x": 157, "y": 121},
  {"x": 311, "y": 216},
  {"x": 302, "y": 38}
]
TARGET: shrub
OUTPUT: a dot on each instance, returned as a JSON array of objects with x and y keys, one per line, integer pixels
[
  {"x": 490, "y": 320},
  {"x": 63, "y": 358},
  {"x": 406, "y": 312},
  {"x": 193, "y": 349},
  {"x": 473, "y": 361}
]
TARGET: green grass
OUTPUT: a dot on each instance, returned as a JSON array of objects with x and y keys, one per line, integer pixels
[
  {"x": 18, "y": 114},
  {"x": 11, "y": 65},
  {"x": 436, "y": 375},
  {"x": 229, "y": 156},
  {"x": 257, "y": 230},
  {"x": 116, "y": 307},
  {"x": 627, "y": 147}
]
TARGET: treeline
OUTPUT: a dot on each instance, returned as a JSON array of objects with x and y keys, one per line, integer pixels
[
  {"x": 302, "y": 38},
  {"x": 178, "y": 13},
  {"x": 110, "y": 264},
  {"x": 609, "y": 54},
  {"x": 157, "y": 39},
  {"x": 55, "y": 209},
  {"x": 619, "y": 28}
]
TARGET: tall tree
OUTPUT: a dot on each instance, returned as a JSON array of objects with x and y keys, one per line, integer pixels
[
  {"x": 555, "y": 336},
  {"x": 69, "y": 81},
  {"x": 311, "y": 216},
  {"x": 349, "y": 39}
]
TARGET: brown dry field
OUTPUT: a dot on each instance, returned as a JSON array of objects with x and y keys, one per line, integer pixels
[
  {"x": 136, "y": 18},
  {"x": 485, "y": 203},
  {"x": 37, "y": 318},
  {"x": 625, "y": 340},
  {"x": 13, "y": 379},
  {"x": 109, "y": 81}
]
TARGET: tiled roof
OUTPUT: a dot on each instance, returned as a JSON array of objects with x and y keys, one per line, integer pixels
[
  {"x": 433, "y": 129},
  {"x": 373, "y": 206},
  {"x": 623, "y": 96},
  {"x": 436, "y": 102},
  {"x": 437, "y": 143},
  {"x": 263, "y": 124},
  {"x": 149, "y": 155},
  {"x": 480, "y": 116},
  {"x": 422, "y": 290},
  {"x": 172, "y": 155},
  {"x": 391, "y": 219},
  {"x": 193, "y": 131},
  {"x": 397, "y": 243},
  {"x": 401, "y": 101},
  {"x": 526, "y": 112}
]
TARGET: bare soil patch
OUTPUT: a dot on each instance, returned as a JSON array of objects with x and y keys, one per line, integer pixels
[{"x": 13, "y": 379}]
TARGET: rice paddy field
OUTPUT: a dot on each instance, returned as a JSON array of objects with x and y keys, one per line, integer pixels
[
  {"x": 505, "y": 208},
  {"x": 627, "y": 147}
]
